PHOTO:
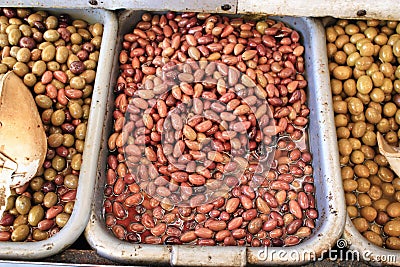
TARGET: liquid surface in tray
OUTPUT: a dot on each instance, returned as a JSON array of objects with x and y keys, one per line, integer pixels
[{"x": 209, "y": 143}]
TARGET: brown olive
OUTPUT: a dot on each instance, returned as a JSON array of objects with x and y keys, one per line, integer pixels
[
  {"x": 393, "y": 243},
  {"x": 345, "y": 148},
  {"x": 369, "y": 153},
  {"x": 385, "y": 174},
  {"x": 342, "y": 132},
  {"x": 375, "y": 192},
  {"x": 389, "y": 109},
  {"x": 381, "y": 204},
  {"x": 350, "y": 198},
  {"x": 355, "y": 106},
  {"x": 361, "y": 224},
  {"x": 372, "y": 167},
  {"x": 383, "y": 126},
  {"x": 361, "y": 171},
  {"x": 342, "y": 72},
  {"x": 349, "y": 185},
  {"x": 355, "y": 143},
  {"x": 352, "y": 211},
  {"x": 357, "y": 157},
  {"x": 393, "y": 209},
  {"x": 350, "y": 87},
  {"x": 363, "y": 185},
  {"x": 347, "y": 172},
  {"x": 381, "y": 218},
  {"x": 363, "y": 200}
]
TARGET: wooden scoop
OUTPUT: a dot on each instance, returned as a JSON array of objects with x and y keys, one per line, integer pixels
[
  {"x": 392, "y": 154},
  {"x": 23, "y": 142}
]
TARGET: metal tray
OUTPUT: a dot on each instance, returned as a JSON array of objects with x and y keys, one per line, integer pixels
[
  {"x": 80, "y": 215},
  {"x": 383, "y": 9},
  {"x": 363, "y": 250},
  {"x": 329, "y": 192}
]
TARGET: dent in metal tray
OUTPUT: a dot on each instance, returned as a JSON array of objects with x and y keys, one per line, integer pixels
[
  {"x": 80, "y": 215},
  {"x": 329, "y": 193}
]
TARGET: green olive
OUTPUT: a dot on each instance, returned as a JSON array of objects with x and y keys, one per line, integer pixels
[
  {"x": 23, "y": 204},
  {"x": 48, "y": 53},
  {"x": 364, "y": 84},
  {"x": 43, "y": 101},
  {"x": 38, "y": 197},
  {"x": 39, "y": 235},
  {"x": 50, "y": 174},
  {"x": 355, "y": 106},
  {"x": 359, "y": 129},
  {"x": 36, "y": 214},
  {"x": 20, "y": 233},
  {"x": 36, "y": 183},
  {"x": 342, "y": 72},
  {"x": 374, "y": 238},
  {"x": 58, "y": 117},
  {"x": 372, "y": 115},
  {"x": 80, "y": 131},
  {"x": 392, "y": 228},
  {"x": 71, "y": 181},
  {"x": 386, "y": 53},
  {"x": 58, "y": 163},
  {"x": 360, "y": 224},
  {"x": 55, "y": 140},
  {"x": 69, "y": 207},
  {"x": 76, "y": 162},
  {"x": 51, "y": 35},
  {"x": 76, "y": 110},
  {"x": 62, "y": 219}
]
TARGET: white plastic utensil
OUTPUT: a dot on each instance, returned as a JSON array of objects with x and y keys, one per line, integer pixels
[{"x": 23, "y": 143}]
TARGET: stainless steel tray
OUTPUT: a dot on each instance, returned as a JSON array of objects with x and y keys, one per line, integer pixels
[
  {"x": 80, "y": 214},
  {"x": 367, "y": 9},
  {"x": 329, "y": 192}
]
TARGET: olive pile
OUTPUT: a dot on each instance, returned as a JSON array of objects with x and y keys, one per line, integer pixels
[
  {"x": 364, "y": 61},
  {"x": 56, "y": 57}
]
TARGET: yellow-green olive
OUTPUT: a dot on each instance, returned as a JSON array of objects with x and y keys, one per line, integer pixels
[
  {"x": 374, "y": 238},
  {"x": 392, "y": 228},
  {"x": 20, "y": 233},
  {"x": 36, "y": 214},
  {"x": 23, "y": 204},
  {"x": 355, "y": 106}
]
